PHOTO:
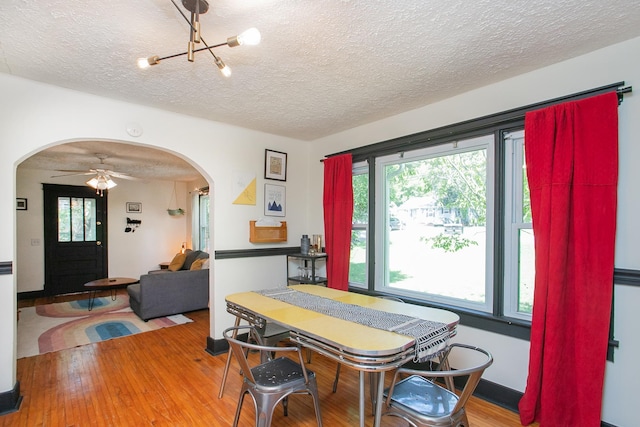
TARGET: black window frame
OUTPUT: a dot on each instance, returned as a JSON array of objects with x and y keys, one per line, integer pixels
[{"x": 497, "y": 124}]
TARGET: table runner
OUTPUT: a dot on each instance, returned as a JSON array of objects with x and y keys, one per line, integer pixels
[{"x": 431, "y": 337}]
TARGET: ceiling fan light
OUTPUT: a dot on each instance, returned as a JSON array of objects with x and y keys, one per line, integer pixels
[
  {"x": 109, "y": 183},
  {"x": 93, "y": 182},
  {"x": 101, "y": 183},
  {"x": 226, "y": 71},
  {"x": 250, "y": 37}
]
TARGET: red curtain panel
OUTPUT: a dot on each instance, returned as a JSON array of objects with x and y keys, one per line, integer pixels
[
  {"x": 338, "y": 213},
  {"x": 572, "y": 166}
]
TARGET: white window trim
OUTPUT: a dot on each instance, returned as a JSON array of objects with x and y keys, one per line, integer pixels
[
  {"x": 514, "y": 158},
  {"x": 486, "y": 142}
]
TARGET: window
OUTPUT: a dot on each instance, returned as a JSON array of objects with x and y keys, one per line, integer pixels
[
  {"x": 76, "y": 219},
  {"x": 519, "y": 249},
  {"x": 360, "y": 225},
  {"x": 452, "y": 224},
  {"x": 433, "y": 213},
  {"x": 200, "y": 219}
]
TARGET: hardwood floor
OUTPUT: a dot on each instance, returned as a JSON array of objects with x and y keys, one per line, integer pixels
[{"x": 165, "y": 378}]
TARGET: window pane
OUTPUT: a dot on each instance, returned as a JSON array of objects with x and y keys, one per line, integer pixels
[
  {"x": 436, "y": 226},
  {"x": 358, "y": 257},
  {"x": 64, "y": 219},
  {"x": 526, "y": 197},
  {"x": 204, "y": 223},
  {"x": 77, "y": 219},
  {"x": 526, "y": 273},
  {"x": 90, "y": 220}
]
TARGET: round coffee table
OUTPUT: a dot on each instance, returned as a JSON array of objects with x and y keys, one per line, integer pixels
[{"x": 110, "y": 283}]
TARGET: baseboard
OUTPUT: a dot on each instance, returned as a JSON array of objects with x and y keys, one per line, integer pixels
[
  {"x": 497, "y": 394},
  {"x": 31, "y": 295},
  {"x": 10, "y": 400},
  {"x": 216, "y": 347},
  {"x": 505, "y": 397}
]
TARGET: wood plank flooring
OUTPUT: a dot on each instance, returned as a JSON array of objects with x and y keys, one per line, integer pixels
[{"x": 165, "y": 378}]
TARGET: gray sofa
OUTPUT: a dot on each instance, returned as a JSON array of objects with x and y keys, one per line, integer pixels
[{"x": 165, "y": 292}]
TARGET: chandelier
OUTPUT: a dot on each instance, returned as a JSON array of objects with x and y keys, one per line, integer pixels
[{"x": 198, "y": 7}]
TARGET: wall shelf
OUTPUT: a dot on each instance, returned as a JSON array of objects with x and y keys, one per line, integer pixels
[{"x": 267, "y": 234}]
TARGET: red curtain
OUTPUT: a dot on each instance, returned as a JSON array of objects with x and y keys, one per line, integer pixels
[
  {"x": 338, "y": 213},
  {"x": 572, "y": 166}
]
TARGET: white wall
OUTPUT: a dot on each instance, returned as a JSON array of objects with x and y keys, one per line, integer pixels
[
  {"x": 610, "y": 65},
  {"x": 35, "y": 116},
  {"x": 158, "y": 239}
]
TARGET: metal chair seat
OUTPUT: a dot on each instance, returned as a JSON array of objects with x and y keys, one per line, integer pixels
[
  {"x": 419, "y": 397},
  {"x": 271, "y": 335},
  {"x": 272, "y": 381},
  {"x": 420, "y": 401}
]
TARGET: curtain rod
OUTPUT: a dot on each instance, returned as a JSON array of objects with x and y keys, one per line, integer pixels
[{"x": 505, "y": 115}]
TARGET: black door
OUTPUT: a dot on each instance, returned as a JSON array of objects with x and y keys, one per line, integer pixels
[{"x": 75, "y": 235}]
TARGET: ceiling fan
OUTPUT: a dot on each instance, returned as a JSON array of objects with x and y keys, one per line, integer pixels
[{"x": 103, "y": 173}]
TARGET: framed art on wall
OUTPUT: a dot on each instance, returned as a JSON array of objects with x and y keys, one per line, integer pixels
[
  {"x": 275, "y": 200},
  {"x": 21, "y": 204},
  {"x": 275, "y": 165},
  {"x": 134, "y": 207}
]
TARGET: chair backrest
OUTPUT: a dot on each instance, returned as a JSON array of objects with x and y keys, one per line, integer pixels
[
  {"x": 240, "y": 349},
  {"x": 480, "y": 360}
]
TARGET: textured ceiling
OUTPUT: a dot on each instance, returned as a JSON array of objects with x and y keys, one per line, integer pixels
[{"x": 322, "y": 66}]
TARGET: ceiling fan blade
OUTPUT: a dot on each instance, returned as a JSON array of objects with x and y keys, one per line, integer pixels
[
  {"x": 72, "y": 173},
  {"x": 121, "y": 175}
]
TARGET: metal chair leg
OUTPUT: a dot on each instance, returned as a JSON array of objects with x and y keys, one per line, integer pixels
[
  {"x": 227, "y": 364},
  {"x": 335, "y": 381}
]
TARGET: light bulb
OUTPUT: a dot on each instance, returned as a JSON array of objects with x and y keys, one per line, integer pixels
[
  {"x": 249, "y": 37},
  {"x": 226, "y": 71},
  {"x": 147, "y": 62}
]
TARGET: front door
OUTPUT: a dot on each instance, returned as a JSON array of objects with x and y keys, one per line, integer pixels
[{"x": 75, "y": 232}]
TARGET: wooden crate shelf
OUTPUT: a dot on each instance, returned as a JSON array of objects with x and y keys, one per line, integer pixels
[{"x": 267, "y": 234}]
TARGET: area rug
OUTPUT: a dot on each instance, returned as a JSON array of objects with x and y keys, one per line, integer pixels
[{"x": 53, "y": 327}]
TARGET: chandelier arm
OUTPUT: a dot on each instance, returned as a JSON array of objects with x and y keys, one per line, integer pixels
[{"x": 207, "y": 47}]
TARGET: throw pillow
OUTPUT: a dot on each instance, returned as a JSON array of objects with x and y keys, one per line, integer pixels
[
  {"x": 177, "y": 262},
  {"x": 197, "y": 264}
]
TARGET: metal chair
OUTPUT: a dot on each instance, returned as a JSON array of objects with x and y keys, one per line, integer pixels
[
  {"x": 273, "y": 381},
  {"x": 271, "y": 335},
  {"x": 421, "y": 402}
]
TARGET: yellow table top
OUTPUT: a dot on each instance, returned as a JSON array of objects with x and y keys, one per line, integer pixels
[{"x": 345, "y": 335}]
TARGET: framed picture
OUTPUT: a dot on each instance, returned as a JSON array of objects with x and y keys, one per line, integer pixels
[
  {"x": 275, "y": 165},
  {"x": 134, "y": 207},
  {"x": 275, "y": 200},
  {"x": 21, "y": 204}
]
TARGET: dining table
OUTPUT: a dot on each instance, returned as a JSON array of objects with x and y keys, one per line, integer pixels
[{"x": 363, "y": 332}]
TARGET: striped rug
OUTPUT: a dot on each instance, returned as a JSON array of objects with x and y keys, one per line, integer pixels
[{"x": 54, "y": 327}]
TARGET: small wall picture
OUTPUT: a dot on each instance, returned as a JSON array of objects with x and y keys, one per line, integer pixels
[
  {"x": 134, "y": 207},
  {"x": 21, "y": 204},
  {"x": 274, "y": 200},
  {"x": 275, "y": 165}
]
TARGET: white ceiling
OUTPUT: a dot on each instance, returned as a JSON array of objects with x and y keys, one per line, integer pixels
[{"x": 322, "y": 66}]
